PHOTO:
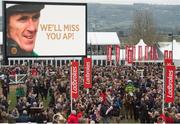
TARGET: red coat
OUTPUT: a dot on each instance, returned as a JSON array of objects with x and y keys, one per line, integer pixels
[
  {"x": 169, "y": 120},
  {"x": 72, "y": 119},
  {"x": 103, "y": 96}
]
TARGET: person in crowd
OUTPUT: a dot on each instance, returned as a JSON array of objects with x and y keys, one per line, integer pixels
[
  {"x": 72, "y": 117},
  {"x": 20, "y": 91},
  {"x": 24, "y": 117}
]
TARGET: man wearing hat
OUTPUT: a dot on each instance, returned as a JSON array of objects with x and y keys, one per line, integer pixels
[{"x": 22, "y": 22}]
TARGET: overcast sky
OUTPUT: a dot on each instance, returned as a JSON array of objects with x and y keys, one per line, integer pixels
[{"x": 169, "y": 2}]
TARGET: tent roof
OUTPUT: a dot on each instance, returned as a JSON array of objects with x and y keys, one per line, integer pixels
[
  {"x": 103, "y": 38},
  {"x": 141, "y": 43}
]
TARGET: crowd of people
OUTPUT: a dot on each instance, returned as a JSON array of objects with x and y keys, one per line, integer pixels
[{"x": 118, "y": 93}]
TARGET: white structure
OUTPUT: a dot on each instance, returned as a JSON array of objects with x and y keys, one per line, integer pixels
[
  {"x": 141, "y": 43},
  {"x": 175, "y": 47},
  {"x": 97, "y": 41},
  {"x": 103, "y": 38}
]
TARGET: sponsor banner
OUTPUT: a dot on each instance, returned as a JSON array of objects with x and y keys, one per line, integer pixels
[
  {"x": 170, "y": 54},
  {"x": 117, "y": 53},
  {"x": 166, "y": 54},
  {"x": 130, "y": 56},
  {"x": 170, "y": 77},
  {"x": 87, "y": 73},
  {"x": 109, "y": 52},
  {"x": 74, "y": 80},
  {"x": 139, "y": 53},
  {"x": 146, "y": 52},
  {"x": 168, "y": 61}
]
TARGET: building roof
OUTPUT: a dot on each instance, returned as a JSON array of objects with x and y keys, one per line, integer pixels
[{"x": 103, "y": 38}]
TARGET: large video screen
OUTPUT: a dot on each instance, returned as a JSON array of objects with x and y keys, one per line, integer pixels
[{"x": 41, "y": 29}]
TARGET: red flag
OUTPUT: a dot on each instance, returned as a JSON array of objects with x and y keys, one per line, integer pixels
[
  {"x": 139, "y": 53},
  {"x": 117, "y": 53},
  {"x": 165, "y": 54},
  {"x": 146, "y": 52},
  {"x": 170, "y": 77},
  {"x": 155, "y": 53},
  {"x": 87, "y": 73},
  {"x": 134, "y": 53},
  {"x": 109, "y": 52},
  {"x": 170, "y": 54},
  {"x": 74, "y": 80},
  {"x": 151, "y": 53},
  {"x": 130, "y": 56},
  {"x": 126, "y": 53}
]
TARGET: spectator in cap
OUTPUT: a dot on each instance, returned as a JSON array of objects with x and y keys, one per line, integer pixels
[{"x": 22, "y": 22}]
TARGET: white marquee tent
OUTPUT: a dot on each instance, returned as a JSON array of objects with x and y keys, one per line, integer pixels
[{"x": 141, "y": 43}]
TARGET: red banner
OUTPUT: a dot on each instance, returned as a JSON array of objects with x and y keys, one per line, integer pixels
[
  {"x": 170, "y": 77},
  {"x": 74, "y": 80},
  {"x": 87, "y": 73},
  {"x": 146, "y": 52},
  {"x": 151, "y": 53},
  {"x": 168, "y": 61},
  {"x": 117, "y": 53},
  {"x": 156, "y": 57},
  {"x": 130, "y": 56},
  {"x": 134, "y": 53},
  {"x": 126, "y": 52},
  {"x": 166, "y": 54},
  {"x": 109, "y": 52},
  {"x": 170, "y": 55},
  {"x": 139, "y": 53}
]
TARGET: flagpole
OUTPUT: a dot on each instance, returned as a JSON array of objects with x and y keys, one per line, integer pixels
[
  {"x": 163, "y": 88},
  {"x": 71, "y": 102},
  {"x": 71, "y": 87}
]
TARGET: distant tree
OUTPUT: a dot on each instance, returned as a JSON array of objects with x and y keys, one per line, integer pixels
[{"x": 143, "y": 27}]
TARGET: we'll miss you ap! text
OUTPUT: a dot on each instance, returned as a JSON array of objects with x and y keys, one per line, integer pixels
[{"x": 60, "y": 32}]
